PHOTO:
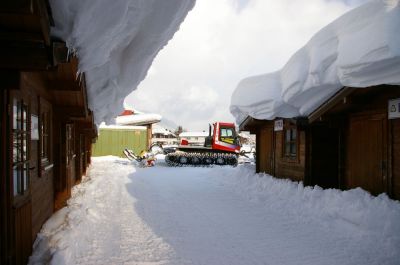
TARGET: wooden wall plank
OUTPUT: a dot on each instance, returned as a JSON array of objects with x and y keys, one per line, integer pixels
[{"x": 396, "y": 158}]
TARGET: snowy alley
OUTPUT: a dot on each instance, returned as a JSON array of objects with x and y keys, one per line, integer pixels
[{"x": 122, "y": 214}]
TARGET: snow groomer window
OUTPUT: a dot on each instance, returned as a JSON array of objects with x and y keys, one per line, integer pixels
[{"x": 227, "y": 135}]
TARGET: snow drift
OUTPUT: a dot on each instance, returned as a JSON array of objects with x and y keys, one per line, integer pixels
[
  {"x": 116, "y": 42},
  {"x": 359, "y": 49},
  {"x": 164, "y": 213}
]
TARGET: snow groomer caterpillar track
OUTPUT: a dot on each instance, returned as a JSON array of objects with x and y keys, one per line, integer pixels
[
  {"x": 220, "y": 148},
  {"x": 201, "y": 159}
]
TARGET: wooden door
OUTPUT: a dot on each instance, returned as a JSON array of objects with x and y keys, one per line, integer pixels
[
  {"x": 367, "y": 153},
  {"x": 67, "y": 166},
  {"x": 70, "y": 156},
  {"x": 19, "y": 174},
  {"x": 266, "y": 151}
]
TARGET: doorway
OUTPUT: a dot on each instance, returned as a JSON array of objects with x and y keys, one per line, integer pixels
[{"x": 367, "y": 160}]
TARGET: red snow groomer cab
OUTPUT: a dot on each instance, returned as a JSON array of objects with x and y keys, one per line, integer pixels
[{"x": 222, "y": 147}]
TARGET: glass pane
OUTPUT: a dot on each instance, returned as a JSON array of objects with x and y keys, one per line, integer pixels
[
  {"x": 19, "y": 116},
  {"x": 229, "y": 132},
  {"x": 16, "y": 148},
  {"x": 287, "y": 148},
  {"x": 17, "y": 180},
  {"x": 294, "y": 134},
  {"x": 26, "y": 177},
  {"x": 223, "y": 133},
  {"x": 24, "y": 148},
  {"x": 15, "y": 114},
  {"x": 293, "y": 149},
  {"x": 42, "y": 132},
  {"x": 287, "y": 136},
  {"x": 25, "y": 119}
]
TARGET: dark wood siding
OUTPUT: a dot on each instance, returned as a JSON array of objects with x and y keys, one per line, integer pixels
[
  {"x": 396, "y": 158},
  {"x": 35, "y": 70},
  {"x": 23, "y": 233},
  {"x": 42, "y": 188},
  {"x": 4, "y": 191}
]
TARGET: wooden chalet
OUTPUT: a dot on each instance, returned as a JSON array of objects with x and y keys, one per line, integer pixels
[
  {"x": 352, "y": 140},
  {"x": 46, "y": 126}
]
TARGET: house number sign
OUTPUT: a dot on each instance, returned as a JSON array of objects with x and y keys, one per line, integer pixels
[
  {"x": 278, "y": 125},
  {"x": 394, "y": 108}
]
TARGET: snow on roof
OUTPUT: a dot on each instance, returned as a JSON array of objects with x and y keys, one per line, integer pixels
[
  {"x": 138, "y": 119},
  {"x": 193, "y": 134},
  {"x": 161, "y": 130},
  {"x": 116, "y": 42},
  {"x": 359, "y": 49},
  {"x": 121, "y": 127}
]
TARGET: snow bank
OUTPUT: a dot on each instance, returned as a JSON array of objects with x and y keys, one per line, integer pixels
[
  {"x": 116, "y": 43},
  {"x": 359, "y": 49},
  {"x": 170, "y": 215},
  {"x": 355, "y": 211},
  {"x": 69, "y": 232}
]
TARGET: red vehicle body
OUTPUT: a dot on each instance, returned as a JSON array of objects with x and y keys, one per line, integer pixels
[{"x": 221, "y": 147}]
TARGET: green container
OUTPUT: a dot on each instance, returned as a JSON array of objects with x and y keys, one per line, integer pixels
[{"x": 114, "y": 141}]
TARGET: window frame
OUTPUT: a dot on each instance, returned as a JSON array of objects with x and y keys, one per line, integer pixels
[
  {"x": 227, "y": 139},
  {"x": 20, "y": 141},
  {"x": 45, "y": 133},
  {"x": 292, "y": 142}
]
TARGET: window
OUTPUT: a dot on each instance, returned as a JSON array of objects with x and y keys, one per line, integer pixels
[
  {"x": 290, "y": 143},
  {"x": 227, "y": 135},
  {"x": 45, "y": 132},
  {"x": 20, "y": 137},
  {"x": 44, "y": 137},
  {"x": 226, "y": 132}
]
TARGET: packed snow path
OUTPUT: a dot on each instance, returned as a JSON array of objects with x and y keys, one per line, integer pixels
[{"x": 161, "y": 215}]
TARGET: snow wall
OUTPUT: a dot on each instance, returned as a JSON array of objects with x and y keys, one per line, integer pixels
[
  {"x": 359, "y": 49},
  {"x": 116, "y": 42}
]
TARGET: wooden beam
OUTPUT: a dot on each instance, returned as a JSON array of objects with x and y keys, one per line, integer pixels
[
  {"x": 17, "y": 6},
  {"x": 24, "y": 57},
  {"x": 331, "y": 102},
  {"x": 70, "y": 112},
  {"x": 18, "y": 38},
  {"x": 45, "y": 22},
  {"x": 250, "y": 124},
  {"x": 84, "y": 95},
  {"x": 10, "y": 79},
  {"x": 63, "y": 85}
]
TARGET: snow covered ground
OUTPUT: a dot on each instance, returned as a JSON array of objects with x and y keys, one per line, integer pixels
[{"x": 121, "y": 214}]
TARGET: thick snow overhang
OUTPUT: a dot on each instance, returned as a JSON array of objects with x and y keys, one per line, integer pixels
[
  {"x": 359, "y": 49},
  {"x": 116, "y": 42}
]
